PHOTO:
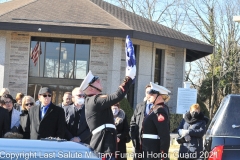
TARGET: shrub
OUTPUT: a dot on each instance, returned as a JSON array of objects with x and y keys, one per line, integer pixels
[
  {"x": 175, "y": 120},
  {"x": 124, "y": 105}
]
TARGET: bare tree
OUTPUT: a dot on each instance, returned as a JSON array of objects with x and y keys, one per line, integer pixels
[{"x": 212, "y": 20}]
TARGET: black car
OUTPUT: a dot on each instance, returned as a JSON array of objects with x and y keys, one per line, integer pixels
[{"x": 222, "y": 139}]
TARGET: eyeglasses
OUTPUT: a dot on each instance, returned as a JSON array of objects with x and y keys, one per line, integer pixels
[
  {"x": 7, "y": 102},
  {"x": 81, "y": 95},
  {"x": 27, "y": 104},
  {"x": 152, "y": 92},
  {"x": 44, "y": 95},
  {"x": 93, "y": 80}
]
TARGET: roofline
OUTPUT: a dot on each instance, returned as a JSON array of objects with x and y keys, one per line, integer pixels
[{"x": 190, "y": 46}]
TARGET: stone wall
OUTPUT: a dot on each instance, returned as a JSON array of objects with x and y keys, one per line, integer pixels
[
  {"x": 3, "y": 41},
  {"x": 174, "y": 73},
  {"x": 18, "y": 63}
]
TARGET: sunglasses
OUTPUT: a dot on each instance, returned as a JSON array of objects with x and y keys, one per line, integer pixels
[
  {"x": 44, "y": 95},
  {"x": 152, "y": 92},
  {"x": 81, "y": 95},
  {"x": 94, "y": 80},
  {"x": 27, "y": 104},
  {"x": 7, "y": 102}
]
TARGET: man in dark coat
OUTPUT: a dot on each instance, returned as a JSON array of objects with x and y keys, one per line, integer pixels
[
  {"x": 4, "y": 121},
  {"x": 99, "y": 114},
  {"x": 140, "y": 111},
  {"x": 46, "y": 119},
  {"x": 77, "y": 128},
  {"x": 155, "y": 131}
]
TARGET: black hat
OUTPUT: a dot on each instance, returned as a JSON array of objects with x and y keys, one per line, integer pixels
[{"x": 44, "y": 90}]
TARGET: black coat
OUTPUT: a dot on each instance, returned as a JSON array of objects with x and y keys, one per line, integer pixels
[
  {"x": 156, "y": 123},
  {"x": 23, "y": 129},
  {"x": 122, "y": 132},
  {"x": 4, "y": 121},
  {"x": 197, "y": 129},
  {"x": 52, "y": 124},
  {"x": 83, "y": 132},
  {"x": 136, "y": 125},
  {"x": 98, "y": 112}
]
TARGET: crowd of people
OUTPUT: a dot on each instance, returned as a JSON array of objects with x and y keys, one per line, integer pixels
[
  {"x": 82, "y": 112},
  {"x": 77, "y": 119}
]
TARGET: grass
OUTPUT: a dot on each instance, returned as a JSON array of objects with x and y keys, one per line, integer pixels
[{"x": 173, "y": 150}]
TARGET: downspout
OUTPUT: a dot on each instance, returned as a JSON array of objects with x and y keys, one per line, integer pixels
[{"x": 152, "y": 62}]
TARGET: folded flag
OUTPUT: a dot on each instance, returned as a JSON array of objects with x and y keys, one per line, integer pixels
[{"x": 130, "y": 56}]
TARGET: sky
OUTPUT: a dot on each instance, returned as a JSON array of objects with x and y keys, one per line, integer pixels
[{"x": 2, "y": 1}]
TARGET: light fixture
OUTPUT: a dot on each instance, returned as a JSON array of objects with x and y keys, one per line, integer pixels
[
  {"x": 65, "y": 55},
  {"x": 236, "y": 18}
]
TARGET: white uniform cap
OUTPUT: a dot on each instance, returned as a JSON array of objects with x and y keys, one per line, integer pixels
[
  {"x": 160, "y": 89},
  {"x": 86, "y": 81}
]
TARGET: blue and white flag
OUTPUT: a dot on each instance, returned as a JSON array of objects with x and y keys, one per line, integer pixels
[{"x": 130, "y": 56}]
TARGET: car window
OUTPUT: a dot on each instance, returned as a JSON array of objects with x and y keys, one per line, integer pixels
[{"x": 227, "y": 115}]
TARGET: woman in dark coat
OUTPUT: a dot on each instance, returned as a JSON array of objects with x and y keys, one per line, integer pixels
[
  {"x": 192, "y": 128},
  {"x": 27, "y": 102},
  {"x": 122, "y": 128}
]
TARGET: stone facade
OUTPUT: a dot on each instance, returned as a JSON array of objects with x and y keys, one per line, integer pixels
[{"x": 107, "y": 60}]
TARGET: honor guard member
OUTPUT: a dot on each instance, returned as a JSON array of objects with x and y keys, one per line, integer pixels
[
  {"x": 98, "y": 110},
  {"x": 156, "y": 134}
]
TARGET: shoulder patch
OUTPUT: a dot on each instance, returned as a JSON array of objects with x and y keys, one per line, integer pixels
[{"x": 161, "y": 118}]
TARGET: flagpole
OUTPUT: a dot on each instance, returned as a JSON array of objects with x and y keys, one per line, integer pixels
[{"x": 39, "y": 59}]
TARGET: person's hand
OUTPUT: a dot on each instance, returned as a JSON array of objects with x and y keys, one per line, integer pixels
[
  {"x": 184, "y": 132},
  {"x": 187, "y": 138},
  {"x": 180, "y": 132},
  {"x": 118, "y": 139},
  {"x": 131, "y": 72},
  {"x": 76, "y": 139}
]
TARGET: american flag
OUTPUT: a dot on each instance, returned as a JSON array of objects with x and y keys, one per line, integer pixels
[{"x": 36, "y": 53}]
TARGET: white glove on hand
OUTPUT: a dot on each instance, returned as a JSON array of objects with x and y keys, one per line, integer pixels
[
  {"x": 131, "y": 72},
  {"x": 187, "y": 138},
  {"x": 180, "y": 132},
  {"x": 184, "y": 132}
]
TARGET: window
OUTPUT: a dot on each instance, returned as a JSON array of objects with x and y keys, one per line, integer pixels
[
  {"x": 62, "y": 66},
  {"x": 158, "y": 63},
  {"x": 61, "y": 58}
]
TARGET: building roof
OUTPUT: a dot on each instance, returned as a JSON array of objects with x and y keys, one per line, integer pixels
[{"x": 93, "y": 17}]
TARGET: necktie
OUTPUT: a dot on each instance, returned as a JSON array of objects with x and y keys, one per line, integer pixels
[
  {"x": 43, "y": 111},
  {"x": 148, "y": 107}
]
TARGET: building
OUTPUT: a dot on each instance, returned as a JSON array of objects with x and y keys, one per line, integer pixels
[{"x": 81, "y": 35}]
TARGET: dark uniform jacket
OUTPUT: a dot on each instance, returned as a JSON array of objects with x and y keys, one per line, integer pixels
[
  {"x": 98, "y": 112},
  {"x": 52, "y": 124},
  {"x": 23, "y": 129},
  {"x": 197, "y": 128},
  {"x": 76, "y": 124},
  {"x": 4, "y": 121},
  {"x": 156, "y": 123},
  {"x": 136, "y": 125}
]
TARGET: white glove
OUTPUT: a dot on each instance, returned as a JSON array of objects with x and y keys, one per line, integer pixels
[
  {"x": 187, "y": 138},
  {"x": 180, "y": 132},
  {"x": 131, "y": 72},
  {"x": 184, "y": 132}
]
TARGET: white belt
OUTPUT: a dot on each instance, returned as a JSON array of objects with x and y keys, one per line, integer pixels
[
  {"x": 98, "y": 129},
  {"x": 150, "y": 136}
]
